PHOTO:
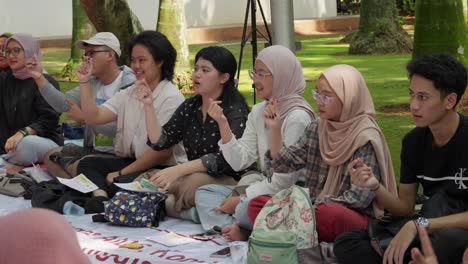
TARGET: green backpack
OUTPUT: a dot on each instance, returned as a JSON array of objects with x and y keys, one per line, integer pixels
[{"x": 284, "y": 230}]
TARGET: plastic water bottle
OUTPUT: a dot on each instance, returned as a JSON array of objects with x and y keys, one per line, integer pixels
[{"x": 71, "y": 208}]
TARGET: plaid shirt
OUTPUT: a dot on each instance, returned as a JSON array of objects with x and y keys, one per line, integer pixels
[{"x": 306, "y": 153}]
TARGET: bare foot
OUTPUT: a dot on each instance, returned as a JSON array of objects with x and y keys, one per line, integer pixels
[
  {"x": 235, "y": 233},
  {"x": 12, "y": 169}
]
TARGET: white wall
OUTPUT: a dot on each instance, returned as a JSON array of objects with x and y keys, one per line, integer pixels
[{"x": 54, "y": 17}]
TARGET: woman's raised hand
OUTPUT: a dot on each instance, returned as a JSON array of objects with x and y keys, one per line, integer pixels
[
  {"x": 215, "y": 111},
  {"x": 362, "y": 175},
  {"x": 144, "y": 93},
  {"x": 271, "y": 115}
]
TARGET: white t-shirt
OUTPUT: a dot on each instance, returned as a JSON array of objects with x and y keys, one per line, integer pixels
[
  {"x": 131, "y": 136},
  {"x": 105, "y": 92}
]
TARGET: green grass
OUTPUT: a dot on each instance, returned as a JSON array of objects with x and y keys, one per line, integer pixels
[{"x": 385, "y": 76}]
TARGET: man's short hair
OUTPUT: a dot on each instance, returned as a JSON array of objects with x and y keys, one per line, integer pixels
[{"x": 444, "y": 70}]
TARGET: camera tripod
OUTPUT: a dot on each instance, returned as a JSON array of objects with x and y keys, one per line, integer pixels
[{"x": 252, "y": 7}]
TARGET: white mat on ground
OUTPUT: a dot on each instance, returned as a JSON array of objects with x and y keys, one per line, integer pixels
[{"x": 165, "y": 244}]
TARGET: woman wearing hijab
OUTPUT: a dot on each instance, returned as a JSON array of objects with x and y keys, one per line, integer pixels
[
  {"x": 277, "y": 75},
  {"x": 345, "y": 141},
  {"x": 38, "y": 236},
  {"x": 29, "y": 125},
  {"x": 3, "y": 60}
]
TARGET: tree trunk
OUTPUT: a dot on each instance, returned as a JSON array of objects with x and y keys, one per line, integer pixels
[
  {"x": 440, "y": 27},
  {"x": 171, "y": 22},
  {"x": 82, "y": 29},
  {"x": 114, "y": 16},
  {"x": 379, "y": 30}
]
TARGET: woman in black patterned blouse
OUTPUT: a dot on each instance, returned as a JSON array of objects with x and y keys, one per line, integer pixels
[{"x": 213, "y": 80}]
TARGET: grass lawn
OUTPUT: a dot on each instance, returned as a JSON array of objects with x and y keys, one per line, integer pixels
[{"x": 385, "y": 76}]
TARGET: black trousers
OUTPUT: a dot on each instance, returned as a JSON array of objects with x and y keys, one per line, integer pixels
[
  {"x": 449, "y": 243},
  {"x": 97, "y": 168}
]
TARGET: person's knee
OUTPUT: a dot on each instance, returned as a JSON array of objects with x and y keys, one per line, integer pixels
[
  {"x": 26, "y": 151},
  {"x": 32, "y": 149},
  {"x": 449, "y": 243},
  {"x": 83, "y": 164},
  {"x": 209, "y": 190},
  {"x": 354, "y": 247}
]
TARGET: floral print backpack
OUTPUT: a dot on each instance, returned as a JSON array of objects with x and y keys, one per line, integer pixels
[{"x": 284, "y": 230}]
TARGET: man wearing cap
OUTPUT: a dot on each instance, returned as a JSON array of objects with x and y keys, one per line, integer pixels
[{"x": 108, "y": 78}]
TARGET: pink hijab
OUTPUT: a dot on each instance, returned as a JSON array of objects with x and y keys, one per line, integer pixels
[
  {"x": 31, "y": 47},
  {"x": 288, "y": 79},
  {"x": 38, "y": 236},
  {"x": 339, "y": 140}
]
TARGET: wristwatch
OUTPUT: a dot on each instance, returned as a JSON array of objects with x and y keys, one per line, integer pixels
[{"x": 423, "y": 221}]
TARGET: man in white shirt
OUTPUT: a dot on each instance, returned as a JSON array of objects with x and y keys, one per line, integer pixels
[{"x": 108, "y": 79}]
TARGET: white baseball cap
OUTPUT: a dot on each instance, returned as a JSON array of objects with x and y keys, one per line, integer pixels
[{"x": 102, "y": 39}]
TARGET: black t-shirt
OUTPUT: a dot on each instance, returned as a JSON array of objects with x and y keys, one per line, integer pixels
[{"x": 437, "y": 168}]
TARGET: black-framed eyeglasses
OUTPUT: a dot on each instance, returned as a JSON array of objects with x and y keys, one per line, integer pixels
[
  {"x": 12, "y": 52},
  {"x": 91, "y": 53}
]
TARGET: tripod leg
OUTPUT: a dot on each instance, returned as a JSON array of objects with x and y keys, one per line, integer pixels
[
  {"x": 244, "y": 38},
  {"x": 265, "y": 23}
]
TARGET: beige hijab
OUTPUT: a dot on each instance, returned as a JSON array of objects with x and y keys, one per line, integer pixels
[
  {"x": 339, "y": 140},
  {"x": 288, "y": 79}
]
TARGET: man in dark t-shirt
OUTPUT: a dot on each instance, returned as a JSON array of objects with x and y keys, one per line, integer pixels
[{"x": 435, "y": 155}]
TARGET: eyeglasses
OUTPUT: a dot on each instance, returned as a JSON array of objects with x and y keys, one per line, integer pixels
[
  {"x": 322, "y": 97},
  {"x": 12, "y": 52},
  {"x": 92, "y": 52},
  {"x": 258, "y": 75}
]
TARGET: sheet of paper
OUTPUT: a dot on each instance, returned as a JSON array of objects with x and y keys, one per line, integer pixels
[
  {"x": 38, "y": 174},
  {"x": 171, "y": 239},
  {"x": 134, "y": 186},
  {"x": 79, "y": 183}
]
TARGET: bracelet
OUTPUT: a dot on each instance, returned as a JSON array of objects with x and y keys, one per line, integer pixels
[
  {"x": 416, "y": 225},
  {"x": 24, "y": 131},
  {"x": 120, "y": 172},
  {"x": 376, "y": 189},
  {"x": 84, "y": 82}
]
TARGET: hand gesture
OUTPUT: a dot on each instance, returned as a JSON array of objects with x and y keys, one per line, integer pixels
[
  {"x": 144, "y": 93},
  {"x": 395, "y": 251},
  {"x": 429, "y": 255},
  {"x": 13, "y": 141},
  {"x": 74, "y": 112},
  {"x": 228, "y": 206},
  {"x": 362, "y": 175},
  {"x": 85, "y": 70},
  {"x": 271, "y": 115},
  {"x": 164, "y": 178},
  {"x": 34, "y": 68},
  {"x": 110, "y": 177},
  {"x": 215, "y": 111}
]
